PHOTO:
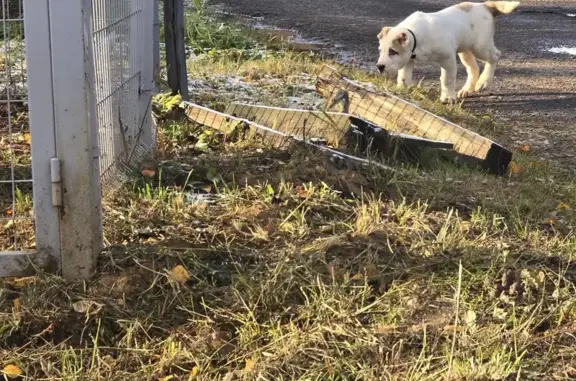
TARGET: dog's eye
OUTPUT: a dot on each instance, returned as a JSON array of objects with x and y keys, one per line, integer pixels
[{"x": 392, "y": 52}]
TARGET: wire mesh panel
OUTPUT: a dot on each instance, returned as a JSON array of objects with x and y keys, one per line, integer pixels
[
  {"x": 16, "y": 205},
  {"x": 122, "y": 54}
]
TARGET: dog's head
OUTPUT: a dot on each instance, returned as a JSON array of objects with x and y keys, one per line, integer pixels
[{"x": 395, "y": 50}]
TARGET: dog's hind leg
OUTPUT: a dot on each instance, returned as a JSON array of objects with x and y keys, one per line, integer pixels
[
  {"x": 491, "y": 56},
  {"x": 472, "y": 70}
]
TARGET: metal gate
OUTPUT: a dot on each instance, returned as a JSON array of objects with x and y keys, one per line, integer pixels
[{"x": 75, "y": 90}]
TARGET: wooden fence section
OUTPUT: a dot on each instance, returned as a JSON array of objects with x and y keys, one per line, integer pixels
[{"x": 397, "y": 115}]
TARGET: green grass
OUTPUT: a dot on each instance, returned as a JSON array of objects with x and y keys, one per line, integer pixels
[{"x": 289, "y": 267}]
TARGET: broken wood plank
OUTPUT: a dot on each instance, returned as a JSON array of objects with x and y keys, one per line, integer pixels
[
  {"x": 304, "y": 123},
  {"x": 221, "y": 121},
  {"x": 397, "y": 115},
  {"x": 337, "y": 129}
]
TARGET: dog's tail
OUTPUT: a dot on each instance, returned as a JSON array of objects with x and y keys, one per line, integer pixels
[{"x": 498, "y": 8}]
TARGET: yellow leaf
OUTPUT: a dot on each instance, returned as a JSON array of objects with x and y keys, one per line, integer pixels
[
  {"x": 525, "y": 148},
  {"x": 515, "y": 168},
  {"x": 180, "y": 274},
  {"x": 22, "y": 282},
  {"x": 27, "y": 138},
  {"x": 17, "y": 306},
  {"x": 563, "y": 206},
  {"x": 194, "y": 372},
  {"x": 250, "y": 364},
  {"x": 167, "y": 378},
  {"x": 12, "y": 371}
]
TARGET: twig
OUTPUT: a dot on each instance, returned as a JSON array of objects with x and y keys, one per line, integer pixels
[{"x": 458, "y": 292}]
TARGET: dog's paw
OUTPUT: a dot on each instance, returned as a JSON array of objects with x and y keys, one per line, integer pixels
[
  {"x": 482, "y": 85},
  {"x": 448, "y": 99},
  {"x": 404, "y": 83},
  {"x": 464, "y": 93}
]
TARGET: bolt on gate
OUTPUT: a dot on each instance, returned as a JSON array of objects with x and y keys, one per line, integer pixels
[{"x": 75, "y": 92}]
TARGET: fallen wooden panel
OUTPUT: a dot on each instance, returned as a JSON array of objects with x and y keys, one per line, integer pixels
[
  {"x": 397, "y": 115},
  {"x": 334, "y": 128},
  {"x": 330, "y": 126},
  {"x": 222, "y": 122}
]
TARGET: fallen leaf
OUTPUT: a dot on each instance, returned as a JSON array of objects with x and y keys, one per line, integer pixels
[
  {"x": 87, "y": 307},
  {"x": 194, "y": 372},
  {"x": 12, "y": 371},
  {"x": 9, "y": 212},
  {"x": 525, "y": 148},
  {"x": 27, "y": 138},
  {"x": 17, "y": 306},
  {"x": 563, "y": 206},
  {"x": 270, "y": 228},
  {"x": 250, "y": 365},
  {"x": 180, "y": 274},
  {"x": 301, "y": 191},
  {"x": 148, "y": 173},
  {"x": 9, "y": 225},
  {"x": 469, "y": 317},
  {"x": 167, "y": 378},
  {"x": 21, "y": 282},
  {"x": 515, "y": 168},
  {"x": 533, "y": 164},
  {"x": 550, "y": 221}
]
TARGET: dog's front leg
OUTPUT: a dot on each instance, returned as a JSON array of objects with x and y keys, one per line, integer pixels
[
  {"x": 405, "y": 75},
  {"x": 448, "y": 80}
]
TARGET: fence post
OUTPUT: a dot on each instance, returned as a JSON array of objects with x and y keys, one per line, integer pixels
[
  {"x": 74, "y": 97},
  {"x": 175, "y": 47},
  {"x": 147, "y": 138},
  {"x": 156, "y": 39},
  {"x": 42, "y": 133}
]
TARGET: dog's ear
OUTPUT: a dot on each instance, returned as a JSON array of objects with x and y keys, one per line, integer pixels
[
  {"x": 401, "y": 39},
  {"x": 384, "y": 32}
]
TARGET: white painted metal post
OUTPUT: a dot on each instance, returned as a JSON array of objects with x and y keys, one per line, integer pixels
[
  {"x": 42, "y": 126},
  {"x": 72, "y": 70}
]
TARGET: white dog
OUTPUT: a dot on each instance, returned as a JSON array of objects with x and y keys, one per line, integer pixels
[{"x": 465, "y": 29}]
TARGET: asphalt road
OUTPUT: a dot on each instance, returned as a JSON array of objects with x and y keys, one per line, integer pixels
[{"x": 534, "y": 93}]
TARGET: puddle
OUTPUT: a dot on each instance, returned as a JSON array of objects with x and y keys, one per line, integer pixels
[{"x": 563, "y": 50}]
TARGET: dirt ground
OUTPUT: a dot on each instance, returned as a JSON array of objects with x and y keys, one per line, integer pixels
[{"x": 534, "y": 94}]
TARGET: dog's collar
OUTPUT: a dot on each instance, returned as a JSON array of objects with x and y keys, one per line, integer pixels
[{"x": 414, "y": 47}]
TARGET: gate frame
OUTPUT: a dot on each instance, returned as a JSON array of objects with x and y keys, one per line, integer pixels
[{"x": 64, "y": 132}]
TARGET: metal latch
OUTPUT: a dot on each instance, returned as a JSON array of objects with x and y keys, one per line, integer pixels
[{"x": 56, "y": 179}]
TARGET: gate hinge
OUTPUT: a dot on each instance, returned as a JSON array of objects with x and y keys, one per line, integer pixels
[
  {"x": 147, "y": 87},
  {"x": 56, "y": 179}
]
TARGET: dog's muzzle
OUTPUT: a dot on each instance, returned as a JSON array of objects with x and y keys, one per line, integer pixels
[{"x": 381, "y": 68}]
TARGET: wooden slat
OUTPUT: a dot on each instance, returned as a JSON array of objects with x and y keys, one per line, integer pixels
[
  {"x": 330, "y": 126},
  {"x": 397, "y": 115},
  {"x": 306, "y": 124},
  {"x": 222, "y": 122}
]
